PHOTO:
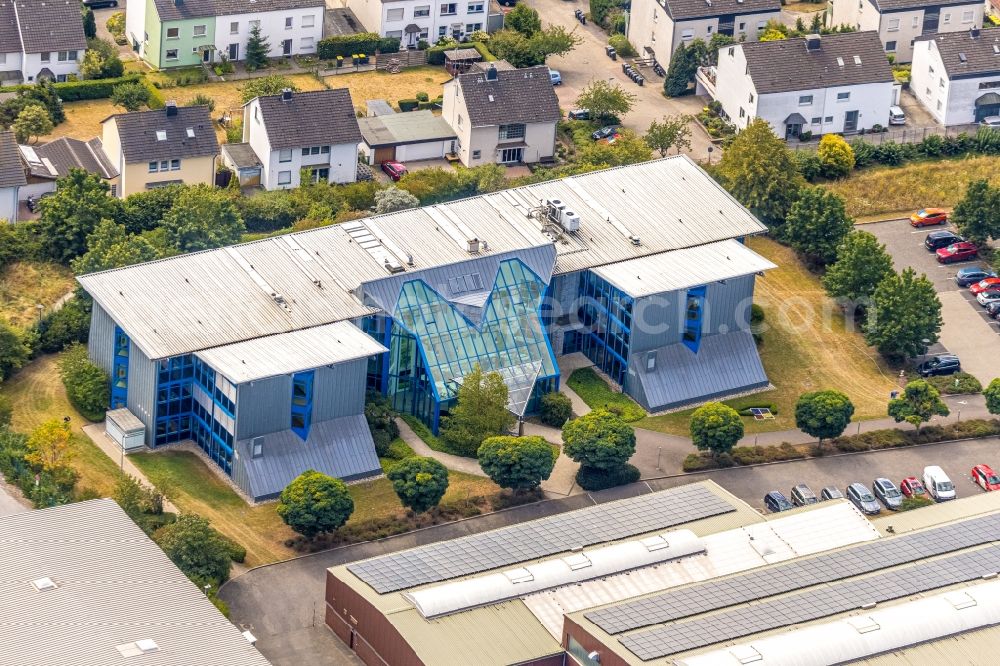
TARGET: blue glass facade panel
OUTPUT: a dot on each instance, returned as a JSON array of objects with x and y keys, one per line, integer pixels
[
  {"x": 694, "y": 310},
  {"x": 119, "y": 370},
  {"x": 302, "y": 401},
  {"x": 606, "y": 312}
]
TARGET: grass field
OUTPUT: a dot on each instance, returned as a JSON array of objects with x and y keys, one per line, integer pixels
[
  {"x": 903, "y": 189},
  {"x": 391, "y": 87},
  {"x": 807, "y": 347},
  {"x": 596, "y": 393},
  {"x": 25, "y": 284},
  {"x": 38, "y": 395}
]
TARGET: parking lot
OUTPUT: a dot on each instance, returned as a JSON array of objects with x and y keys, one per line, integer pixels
[{"x": 967, "y": 331}]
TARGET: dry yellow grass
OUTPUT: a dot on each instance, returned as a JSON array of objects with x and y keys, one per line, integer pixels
[
  {"x": 83, "y": 120},
  {"x": 884, "y": 190},
  {"x": 807, "y": 347},
  {"x": 391, "y": 87},
  {"x": 227, "y": 93},
  {"x": 25, "y": 284}
]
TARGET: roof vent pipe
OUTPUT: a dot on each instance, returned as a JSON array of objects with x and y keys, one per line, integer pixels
[
  {"x": 812, "y": 42},
  {"x": 286, "y": 95},
  {"x": 974, "y": 32},
  {"x": 491, "y": 73}
]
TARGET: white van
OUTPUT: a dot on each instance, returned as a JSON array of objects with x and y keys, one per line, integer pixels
[
  {"x": 896, "y": 116},
  {"x": 938, "y": 484}
]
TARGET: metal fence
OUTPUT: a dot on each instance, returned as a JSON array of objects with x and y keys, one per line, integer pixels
[{"x": 901, "y": 135}]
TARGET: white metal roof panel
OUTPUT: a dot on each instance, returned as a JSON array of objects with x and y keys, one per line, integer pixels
[
  {"x": 681, "y": 269},
  {"x": 287, "y": 353},
  {"x": 114, "y": 587}
]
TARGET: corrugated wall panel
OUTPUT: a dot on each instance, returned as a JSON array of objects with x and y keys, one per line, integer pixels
[
  {"x": 142, "y": 377},
  {"x": 339, "y": 390},
  {"x": 264, "y": 406},
  {"x": 656, "y": 321},
  {"x": 101, "y": 344},
  {"x": 727, "y": 306}
]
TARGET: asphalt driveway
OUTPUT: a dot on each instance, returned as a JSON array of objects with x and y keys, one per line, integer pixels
[{"x": 967, "y": 331}]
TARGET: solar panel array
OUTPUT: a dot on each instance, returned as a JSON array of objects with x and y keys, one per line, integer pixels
[
  {"x": 812, "y": 605},
  {"x": 539, "y": 538},
  {"x": 795, "y": 575}
]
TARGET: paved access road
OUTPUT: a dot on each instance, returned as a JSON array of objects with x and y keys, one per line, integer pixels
[
  {"x": 967, "y": 331},
  {"x": 9, "y": 504}
]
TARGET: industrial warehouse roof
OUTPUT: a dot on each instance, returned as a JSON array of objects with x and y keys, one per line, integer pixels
[
  {"x": 968, "y": 53},
  {"x": 481, "y": 618},
  {"x": 906, "y": 594},
  {"x": 197, "y": 301},
  {"x": 113, "y": 592},
  {"x": 685, "y": 268},
  {"x": 400, "y": 129},
  {"x": 288, "y": 353}
]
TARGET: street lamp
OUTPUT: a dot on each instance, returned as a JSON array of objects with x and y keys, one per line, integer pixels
[
  {"x": 710, "y": 155},
  {"x": 40, "y": 308}
]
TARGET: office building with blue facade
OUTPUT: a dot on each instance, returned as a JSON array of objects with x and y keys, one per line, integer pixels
[{"x": 262, "y": 353}]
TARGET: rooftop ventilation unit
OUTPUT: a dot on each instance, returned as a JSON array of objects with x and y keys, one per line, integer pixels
[
  {"x": 812, "y": 42},
  {"x": 635, "y": 240},
  {"x": 570, "y": 221},
  {"x": 147, "y": 645},
  {"x": 44, "y": 584}
]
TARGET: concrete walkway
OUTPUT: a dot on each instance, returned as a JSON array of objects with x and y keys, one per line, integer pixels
[
  {"x": 96, "y": 433},
  {"x": 457, "y": 463}
]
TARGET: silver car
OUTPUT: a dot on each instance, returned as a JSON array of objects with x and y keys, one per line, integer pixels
[
  {"x": 888, "y": 493},
  {"x": 830, "y": 493},
  {"x": 864, "y": 500}
]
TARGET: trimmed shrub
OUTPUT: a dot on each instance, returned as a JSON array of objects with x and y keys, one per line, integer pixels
[
  {"x": 74, "y": 91},
  {"x": 556, "y": 409},
  {"x": 594, "y": 478},
  {"x": 956, "y": 384},
  {"x": 422, "y": 97},
  {"x": 622, "y": 46},
  {"x": 911, "y": 503},
  {"x": 156, "y": 99},
  {"x": 408, "y": 104},
  {"x": 270, "y": 211},
  {"x": 362, "y": 42},
  {"x": 398, "y": 450}
]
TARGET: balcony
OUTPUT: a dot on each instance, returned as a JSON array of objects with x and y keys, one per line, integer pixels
[{"x": 704, "y": 81}]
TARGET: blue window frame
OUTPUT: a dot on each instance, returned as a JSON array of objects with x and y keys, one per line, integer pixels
[
  {"x": 302, "y": 397},
  {"x": 119, "y": 371},
  {"x": 694, "y": 310},
  {"x": 607, "y": 315}
]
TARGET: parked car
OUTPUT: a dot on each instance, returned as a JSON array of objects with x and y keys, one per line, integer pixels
[
  {"x": 985, "y": 477},
  {"x": 803, "y": 495},
  {"x": 926, "y": 217},
  {"x": 604, "y": 132},
  {"x": 993, "y": 309},
  {"x": 945, "y": 364},
  {"x": 987, "y": 297},
  {"x": 100, "y": 4},
  {"x": 986, "y": 284},
  {"x": 938, "y": 485},
  {"x": 555, "y": 77},
  {"x": 887, "y": 492},
  {"x": 896, "y": 116},
  {"x": 609, "y": 140},
  {"x": 579, "y": 114},
  {"x": 912, "y": 487},
  {"x": 972, "y": 274},
  {"x": 830, "y": 493},
  {"x": 963, "y": 251},
  {"x": 936, "y": 240},
  {"x": 394, "y": 169},
  {"x": 775, "y": 502},
  {"x": 990, "y": 121},
  {"x": 864, "y": 500}
]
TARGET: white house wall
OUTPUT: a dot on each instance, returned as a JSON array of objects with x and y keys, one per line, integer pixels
[
  {"x": 342, "y": 162},
  {"x": 430, "y": 150},
  {"x": 950, "y": 101},
  {"x": 390, "y": 18},
  {"x": 651, "y": 28},
  {"x": 8, "y": 204},
  {"x": 11, "y": 62},
  {"x": 32, "y": 65},
  {"x": 135, "y": 24},
  {"x": 272, "y": 27},
  {"x": 734, "y": 87}
]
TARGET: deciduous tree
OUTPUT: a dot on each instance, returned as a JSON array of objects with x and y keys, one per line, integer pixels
[
  {"x": 836, "y": 156},
  {"x": 817, "y": 224},
  {"x": 420, "y": 483},
  {"x": 50, "y": 446},
  {"x": 197, "y": 549},
  {"x": 716, "y": 427},
  {"x": 919, "y": 402},
  {"x": 605, "y": 101},
  {"x": 523, "y": 19},
  {"x": 392, "y": 199},
  {"x": 110, "y": 246},
  {"x": 518, "y": 463},
  {"x": 480, "y": 411},
  {"x": 628, "y": 148},
  {"x": 977, "y": 215},
  {"x": 904, "y": 311},
  {"x": 671, "y": 133},
  {"x": 101, "y": 61},
  {"x": 202, "y": 218},
  {"x": 599, "y": 439},
  {"x": 15, "y": 349},
  {"x": 31, "y": 123},
  {"x": 87, "y": 384},
  {"x": 862, "y": 263},
  {"x": 314, "y": 503},
  {"x": 72, "y": 213},
  {"x": 823, "y": 414},
  {"x": 130, "y": 96},
  {"x": 992, "y": 395}
]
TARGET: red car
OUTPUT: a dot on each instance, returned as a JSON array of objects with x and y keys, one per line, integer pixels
[
  {"x": 394, "y": 169},
  {"x": 929, "y": 216},
  {"x": 989, "y": 284},
  {"x": 985, "y": 477},
  {"x": 957, "y": 252},
  {"x": 911, "y": 487}
]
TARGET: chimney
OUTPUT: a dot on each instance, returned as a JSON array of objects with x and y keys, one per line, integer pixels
[
  {"x": 974, "y": 33},
  {"x": 812, "y": 42},
  {"x": 178, "y": 3},
  {"x": 171, "y": 108},
  {"x": 286, "y": 95},
  {"x": 491, "y": 73}
]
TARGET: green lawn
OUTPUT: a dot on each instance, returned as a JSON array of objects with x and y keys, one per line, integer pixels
[
  {"x": 430, "y": 439},
  {"x": 597, "y": 394}
]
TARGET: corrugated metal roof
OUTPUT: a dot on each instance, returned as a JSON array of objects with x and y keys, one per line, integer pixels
[
  {"x": 287, "y": 353},
  {"x": 114, "y": 587},
  {"x": 207, "y": 299},
  {"x": 685, "y": 268},
  {"x": 125, "y": 419},
  {"x": 939, "y": 513}
]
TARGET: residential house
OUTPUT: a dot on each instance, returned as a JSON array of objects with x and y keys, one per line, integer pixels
[
  {"x": 415, "y": 20},
  {"x": 658, "y": 27},
  {"x": 303, "y": 130},
  {"x": 40, "y": 39},
  {"x": 835, "y": 83},
  {"x": 11, "y": 177},
  {"x": 262, "y": 353},
  {"x": 505, "y": 116},
  {"x": 182, "y": 33},
  {"x": 957, "y": 76},
  {"x": 48, "y": 162},
  {"x": 412, "y": 136},
  {"x": 900, "y": 22},
  {"x": 156, "y": 148}
]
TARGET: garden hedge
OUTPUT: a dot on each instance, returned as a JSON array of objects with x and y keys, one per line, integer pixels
[
  {"x": 74, "y": 91},
  {"x": 592, "y": 478},
  {"x": 368, "y": 43}
]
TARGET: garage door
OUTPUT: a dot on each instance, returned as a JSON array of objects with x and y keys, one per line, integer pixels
[
  {"x": 987, "y": 105},
  {"x": 383, "y": 154}
]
